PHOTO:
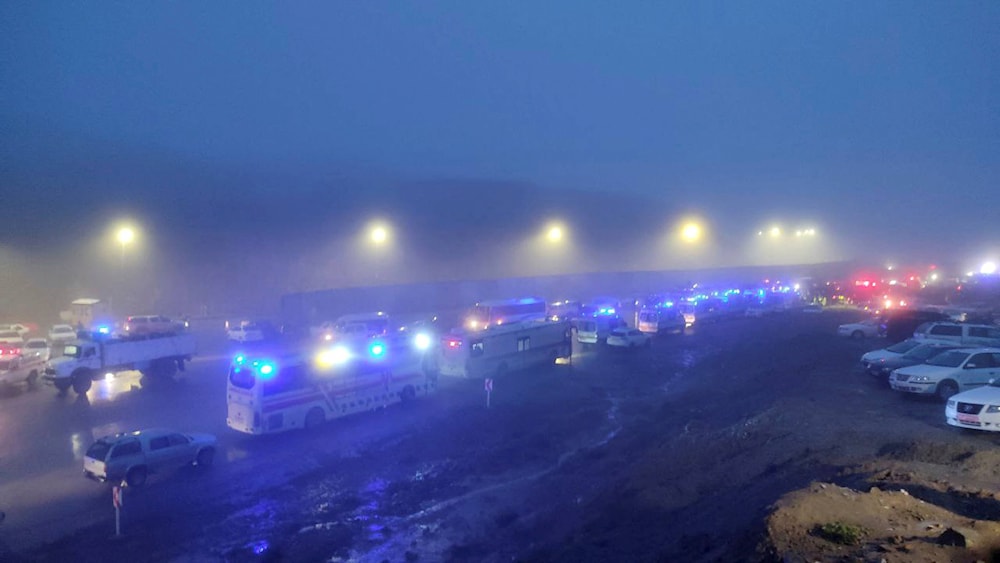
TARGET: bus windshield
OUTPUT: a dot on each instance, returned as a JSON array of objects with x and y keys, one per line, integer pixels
[{"x": 242, "y": 377}]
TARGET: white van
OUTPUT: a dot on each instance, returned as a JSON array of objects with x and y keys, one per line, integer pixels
[
  {"x": 592, "y": 330},
  {"x": 976, "y": 335},
  {"x": 356, "y": 327}
]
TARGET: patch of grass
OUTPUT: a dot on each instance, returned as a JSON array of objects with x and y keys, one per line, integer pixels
[{"x": 839, "y": 532}]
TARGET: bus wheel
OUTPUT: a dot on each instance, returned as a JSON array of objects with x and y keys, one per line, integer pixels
[
  {"x": 314, "y": 418},
  {"x": 407, "y": 394}
]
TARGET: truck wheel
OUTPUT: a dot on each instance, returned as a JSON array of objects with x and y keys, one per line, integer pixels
[
  {"x": 136, "y": 477},
  {"x": 81, "y": 381},
  {"x": 62, "y": 385},
  {"x": 165, "y": 367}
]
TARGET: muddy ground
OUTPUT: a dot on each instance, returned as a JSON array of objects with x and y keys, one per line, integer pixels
[{"x": 733, "y": 442}]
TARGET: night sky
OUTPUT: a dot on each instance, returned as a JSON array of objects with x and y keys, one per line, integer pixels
[{"x": 876, "y": 122}]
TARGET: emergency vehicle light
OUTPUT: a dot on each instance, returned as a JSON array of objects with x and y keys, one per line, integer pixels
[
  {"x": 377, "y": 349},
  {"x": 422, "y": 341},
  {"x": 266, "y": 370}
]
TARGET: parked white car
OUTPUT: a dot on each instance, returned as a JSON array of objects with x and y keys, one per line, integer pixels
[
  {"x": 15, "y": 327},
  {"x": 870, "y": 359},
  {"x": 36, "y": 348},
  {"x": 977, "y": 408},
  {"x": 11, "y": 337},
  {"x": 946, "y": 374},
  {"x": 972, "y": 335},
  {"x": 865, "y": 329},
  {"x": 61, "y": 333},
  {"x": 628, "y": 338}
]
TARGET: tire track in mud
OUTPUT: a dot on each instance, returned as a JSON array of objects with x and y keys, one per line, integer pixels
[{"x": 420, "y": 526}]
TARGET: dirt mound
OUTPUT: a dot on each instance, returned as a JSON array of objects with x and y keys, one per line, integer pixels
[{"x": 925, "y": 501}]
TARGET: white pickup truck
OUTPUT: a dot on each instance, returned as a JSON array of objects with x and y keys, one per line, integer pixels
[
  {"x": 15, "y": 368},
  {"x": 82, "y": 360}
]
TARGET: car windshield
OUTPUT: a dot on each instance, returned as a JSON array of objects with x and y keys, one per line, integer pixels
[
  {"x": 921, "y": 353},
  {"x": 62, "y": 329},
  {"x": 37, "y": 344},
  {"x": 903, "y": 347},
  {"x": 98, "y": 450},
  {"x": 951, "y": 359}
]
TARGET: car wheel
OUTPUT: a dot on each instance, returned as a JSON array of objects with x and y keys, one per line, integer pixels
[
  {"x": 314, "y": 418},
  {"x": 136, "y": 477},
  {"x": 946, "y": 389},
  {"x": 205, "y": 457},
  {"x": 857, "y": 335}
]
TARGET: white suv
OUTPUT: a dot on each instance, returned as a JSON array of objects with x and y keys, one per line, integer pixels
[
  {"x": 973, "y": 335},
  {"x": 948, "y": 373}
]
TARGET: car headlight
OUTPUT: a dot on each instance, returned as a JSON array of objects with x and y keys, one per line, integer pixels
[
  {"x": 920, "y": 379},
  {"x": 992, "y": 409}
]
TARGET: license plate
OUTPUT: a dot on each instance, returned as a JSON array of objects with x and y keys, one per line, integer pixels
[{"x": 968, "y": 418}]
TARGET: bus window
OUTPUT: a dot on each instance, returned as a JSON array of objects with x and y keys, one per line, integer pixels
[
  {"x": 242, "y": 378},
  {"x": 287, "y": 379},
  {"x": 477, "y": 348}
]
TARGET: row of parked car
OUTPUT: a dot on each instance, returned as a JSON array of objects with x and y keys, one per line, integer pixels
[{"x": 954, "y": 362}]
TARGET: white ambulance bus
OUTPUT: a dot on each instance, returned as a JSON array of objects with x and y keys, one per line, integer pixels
[
  {"x": 267, "y": 394},
  {"x": 509, "y": 347},
  {"x": 488, "y": 314}
]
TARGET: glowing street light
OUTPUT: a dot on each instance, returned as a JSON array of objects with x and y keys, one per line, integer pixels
[
  {"x": 555, "y": 233},
  {"x": 379, "y": 234},
  {"x": 775, "y": 232},
  {"x": 691, "y": 232},
  {"x": 988, "y": 268},
  {"x": 125, "y": 235}
]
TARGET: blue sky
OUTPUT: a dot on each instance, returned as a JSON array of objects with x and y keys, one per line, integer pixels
[{"x": 727, "y": 107}]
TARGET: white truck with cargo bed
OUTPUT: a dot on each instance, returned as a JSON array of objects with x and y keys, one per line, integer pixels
[{"x": 83, "y": 360}]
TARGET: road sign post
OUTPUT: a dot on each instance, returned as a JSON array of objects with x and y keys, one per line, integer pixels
[
  {"x": 116, "y": 500},
  {"x": 489, "y": 391}
]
